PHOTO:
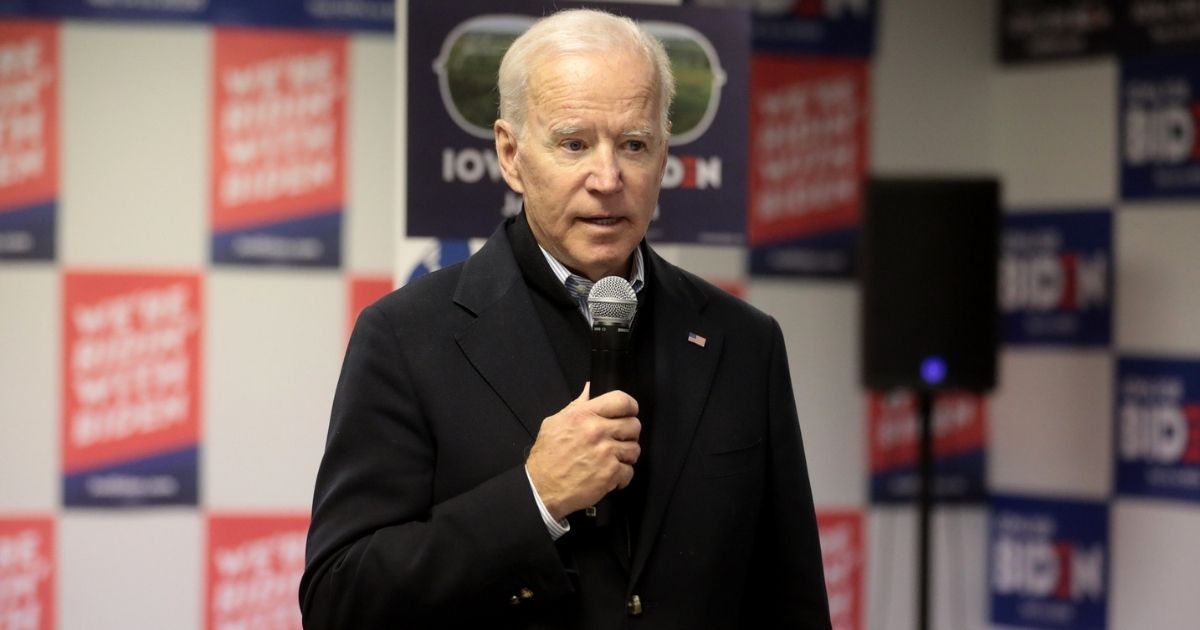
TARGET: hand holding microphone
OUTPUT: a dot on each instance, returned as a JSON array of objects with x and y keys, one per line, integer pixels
[{"x": 588, "y": 449}]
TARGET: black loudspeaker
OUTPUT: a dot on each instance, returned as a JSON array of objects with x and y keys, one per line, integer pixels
[{"x": 928, "y": 267}]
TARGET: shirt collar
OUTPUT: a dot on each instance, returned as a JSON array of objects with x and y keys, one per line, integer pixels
[{"x": 636, "y": 279}]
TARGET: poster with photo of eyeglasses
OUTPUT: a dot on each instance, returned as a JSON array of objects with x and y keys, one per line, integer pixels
[{"x": 455, "y": 186}]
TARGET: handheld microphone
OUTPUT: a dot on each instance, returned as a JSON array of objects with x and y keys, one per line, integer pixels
[{"x": 612, "y": 304}]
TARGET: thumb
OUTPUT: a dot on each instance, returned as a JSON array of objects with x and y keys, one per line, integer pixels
[{"x": 586, "y": 393}]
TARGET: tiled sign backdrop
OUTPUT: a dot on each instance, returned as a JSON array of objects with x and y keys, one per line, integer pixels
[{"x": 164, "y": 384}]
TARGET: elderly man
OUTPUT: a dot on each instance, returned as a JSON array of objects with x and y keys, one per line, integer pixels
[{"x": 464, "y": 452}]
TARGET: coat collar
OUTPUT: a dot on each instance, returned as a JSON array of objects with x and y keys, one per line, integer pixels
[{"x": 506, "y": 342}]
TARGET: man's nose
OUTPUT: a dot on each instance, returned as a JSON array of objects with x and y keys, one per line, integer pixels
[{"x": 605, "y": 175}]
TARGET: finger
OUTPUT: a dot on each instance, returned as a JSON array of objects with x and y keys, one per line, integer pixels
[
  {"x": 625, "y": 429},
  {"x": 586, "y": 393},
  {"x": 614, "y": 404},
  {"x": 628, "y": 452},
  {"x": 624, "y": 476}
]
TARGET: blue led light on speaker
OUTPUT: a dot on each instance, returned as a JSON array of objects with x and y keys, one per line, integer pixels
[{"x": 933, "y": 370}]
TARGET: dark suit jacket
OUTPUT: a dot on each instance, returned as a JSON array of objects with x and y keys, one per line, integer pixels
[{"x": 423, "y": 515}]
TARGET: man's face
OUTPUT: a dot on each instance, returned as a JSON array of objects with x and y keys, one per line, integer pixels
[{"x": 590, "y": 158}]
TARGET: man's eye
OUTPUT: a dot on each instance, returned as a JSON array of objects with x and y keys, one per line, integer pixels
[
  {"x": 636, "y": 145},
  {"x": 573, "y": 145}
]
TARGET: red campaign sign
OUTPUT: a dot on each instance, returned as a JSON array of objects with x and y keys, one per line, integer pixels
[
  {"x": 364, "y": 290},
  {"x": 808, "y": 147},
  {"x": 28, "y": 113},
  {"x": 844, "y": 556},
  {"x": 958, "y": 427},
  {"x": 279, "y": 126},
  {"x": 27, "y": 561},
  {"x": 131, "y": 366},
  {"x": 253, "y": 574}
]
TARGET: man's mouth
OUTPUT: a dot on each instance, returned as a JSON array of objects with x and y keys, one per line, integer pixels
[{"x": 603, "y": 220}]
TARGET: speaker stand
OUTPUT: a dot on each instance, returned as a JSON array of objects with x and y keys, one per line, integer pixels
[{"x": 925, "y": 399}]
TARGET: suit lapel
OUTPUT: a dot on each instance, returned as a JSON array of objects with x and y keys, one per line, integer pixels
[
  {"x": 684, "y": 372},
  {"x": 506, "y": 342}
]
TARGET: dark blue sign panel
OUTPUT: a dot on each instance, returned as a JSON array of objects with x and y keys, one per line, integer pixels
[
  {"x": 1035, "y": 30},
  {"x": 844, "y": 28},
  {"x": 350, "y": 15},
  {"x": 1160, "y": 128},
  {"x": 455, "y": 189},
  {"x": 1157, "y": 435},
  {"x": 1048, "y": 563},
  {"x": 823, "y": 255},
  {"x": 1056, "y": 278},
  {"x": 1146, "y": 26}
]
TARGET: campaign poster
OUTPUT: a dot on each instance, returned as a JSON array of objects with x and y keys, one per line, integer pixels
[
  {"x": 1150, "y": 26},
  {"x": 959, "y": 440},
  {"x": 1160, "y": 128},
  {"x": 142, "y": 11},
  {"x": 346, "y": 15},
  {"x": 1035, "y": 30},
  {"x": 28, "y": 139},
  {"x": 131, "y": 388},
  {"x": 278, "y": 148},
  {"x": 808, "y": 160},
  {"x": 844, "y": 556},
  {"x": 253, "y": 572},
  {"x": 844, "y": 28},
  {"x": 1048, "y": 563},
  {"x": 455, "y": 189},
  {"x": 27, "y": 573},
  {"x": 1056, "y": 278},
  {"x": 364, "y": 290},
  {"x": 1157, "y": 431}
]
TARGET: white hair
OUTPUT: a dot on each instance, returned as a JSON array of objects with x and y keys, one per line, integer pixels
[{"x": 578, "y": 31}]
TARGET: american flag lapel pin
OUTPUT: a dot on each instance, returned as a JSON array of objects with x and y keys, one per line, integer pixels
[{"x": 696, "y": 339}]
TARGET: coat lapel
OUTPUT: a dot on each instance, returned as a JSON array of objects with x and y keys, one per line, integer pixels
[
  {"x": 684, "y": 371},
  {"x": 506, "y": 342}
]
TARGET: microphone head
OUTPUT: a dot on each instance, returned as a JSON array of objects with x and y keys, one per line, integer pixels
[{"x": 612, "y": 301}]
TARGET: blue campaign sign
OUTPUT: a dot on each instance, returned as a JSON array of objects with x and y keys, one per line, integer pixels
[
  {"x": 455, "y": 189},
  {"x": 831, "y": 255},
  {"x": 1160, "y": 128},
  {"x": 439, "y": 255},
  {"x": 348, "y": 15},
  {"x": 1034, "y": 30},
  {"x": 843, "y": 28},
  {"x": 1056, "y": 278},
  {"x": 1151, "y": 26},
  {"x": 1157, "y": 433},
  {"x": 1048, "y": 563}
]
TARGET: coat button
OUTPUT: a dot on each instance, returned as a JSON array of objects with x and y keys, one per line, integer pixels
[
  {"x": 514, "y": 600},
  {"x": 525, "y": 593},
  {"x": 634, "y": 606}
]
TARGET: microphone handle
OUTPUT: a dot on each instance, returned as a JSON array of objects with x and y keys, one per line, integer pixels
[{"x": 610, "y": 353}]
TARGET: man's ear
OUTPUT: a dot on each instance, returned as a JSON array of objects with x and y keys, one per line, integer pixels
[{"x": 506, "y": 150}]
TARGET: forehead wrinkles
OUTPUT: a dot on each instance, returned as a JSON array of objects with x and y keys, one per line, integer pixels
[{"x": 570, "y": 86}]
